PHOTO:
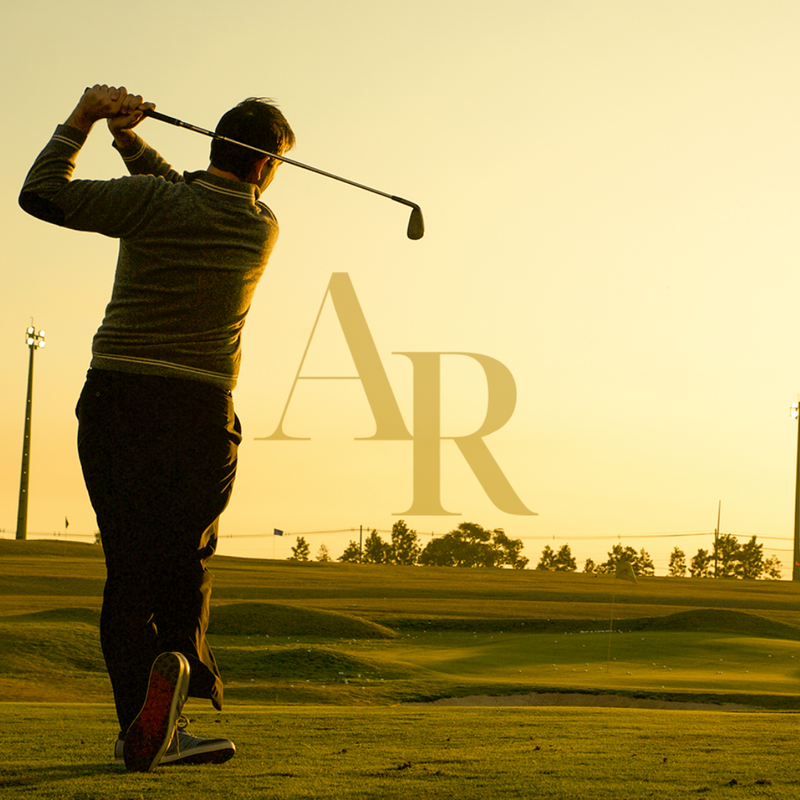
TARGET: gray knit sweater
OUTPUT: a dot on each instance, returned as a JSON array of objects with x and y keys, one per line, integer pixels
[{"x": 192, "y": 250}]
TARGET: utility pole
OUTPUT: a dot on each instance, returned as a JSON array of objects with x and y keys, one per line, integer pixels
[
  {"x": 35, "y": 340},
  {"x": 796, "y": 559}
]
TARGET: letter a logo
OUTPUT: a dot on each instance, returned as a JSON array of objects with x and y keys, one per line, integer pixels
[
  {"x": 388, "y": 420},
  {"x": 389, "y": 424}
]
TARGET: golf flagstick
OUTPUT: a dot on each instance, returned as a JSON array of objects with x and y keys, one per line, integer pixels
[
  {"x": 416, "y": 224},
  {"x": 611, "y": 627},
  {"x": 624, "y": 571}
]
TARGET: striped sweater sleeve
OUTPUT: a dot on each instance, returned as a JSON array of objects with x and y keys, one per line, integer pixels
[
  {"x": 114, "y": 208},
  {"x": 51, "y": 171}
]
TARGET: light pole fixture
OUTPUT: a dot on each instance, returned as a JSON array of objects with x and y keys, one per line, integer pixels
[
  {"x": 35, "y": 340},
  {"x": 796, "y": 556}
]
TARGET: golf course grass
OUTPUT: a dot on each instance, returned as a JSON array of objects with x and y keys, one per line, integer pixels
[
  {"x": 336, "y": 676},
  {"x": 397, "y": 752}
]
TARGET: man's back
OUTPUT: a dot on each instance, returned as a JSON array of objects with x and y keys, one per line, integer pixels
[{"x": 192, "y": 250}]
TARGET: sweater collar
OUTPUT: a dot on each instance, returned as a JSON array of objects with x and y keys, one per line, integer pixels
[{"x": 224, "y": 186}]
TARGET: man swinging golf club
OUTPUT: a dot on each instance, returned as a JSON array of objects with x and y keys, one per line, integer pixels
[{"x": 157, "y": 433}]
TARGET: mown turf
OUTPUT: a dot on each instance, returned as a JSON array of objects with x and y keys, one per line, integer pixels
[
  {"x": 451, "y": 632},
  {"x": 272, "y": 619},
  {"x": 49, "y": 574},
  {"x": 64, "y": 753},
  {"x": 318, "y": 658}
]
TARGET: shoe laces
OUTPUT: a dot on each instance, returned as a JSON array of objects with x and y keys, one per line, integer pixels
[{"x": 181, "y": 725}]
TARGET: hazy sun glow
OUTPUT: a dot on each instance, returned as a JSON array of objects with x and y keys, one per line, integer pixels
[{"x": 610, "y": 195}]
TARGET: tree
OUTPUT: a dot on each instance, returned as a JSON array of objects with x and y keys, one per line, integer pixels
[
  {"x": 300, "y": 552},
  {"x": 324, "y": 554},
  {"x": 405, "y": 547},
  {"x": 565, "y": 561},
  {"x": 751, "y": 560},
  {"x": 772, "y": 568},
  {"x": 376, "y": 551},
  {"x": 548, "y": 559},
  {"x": 441, "y": 551},
  {"x": 352, "y": 554},
  {"x": 641, "y": 562},
  {"x": 562, "y": 561},
  {"x": 644, "y": 565},
  {"x": 509, "y": 551},
  {"x": 727, "y": 551},
  {"x": 700, "y": 565},
  {"x": 470, "y": 545},
  {"x": 589, "y": 567},
  {"x": 677, "y": 564},
  {"x": 617, "y": 554}
]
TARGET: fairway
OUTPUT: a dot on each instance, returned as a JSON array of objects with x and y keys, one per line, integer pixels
[
  {"x": 336, "y": 674},
  {"x": 290, "y": 632},
  {"x": 333, "y": 752}
]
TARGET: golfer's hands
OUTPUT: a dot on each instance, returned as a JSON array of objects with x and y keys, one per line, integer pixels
[
  {"x": 108, "y": 102},
  {"x": 130, "y": 114}
]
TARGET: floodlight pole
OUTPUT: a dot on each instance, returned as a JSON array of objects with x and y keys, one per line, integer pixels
[
  {"x": 34, "y": 339},
  {"x": 796, "y": 556}
]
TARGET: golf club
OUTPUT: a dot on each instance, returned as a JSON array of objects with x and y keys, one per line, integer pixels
[{"x": 416, "y": 225}]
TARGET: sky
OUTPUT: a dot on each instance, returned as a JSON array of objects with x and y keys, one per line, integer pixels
[{"x": 610, "y": 195}]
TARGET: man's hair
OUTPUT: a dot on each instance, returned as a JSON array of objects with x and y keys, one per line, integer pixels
[{"x": 257, "y": 122}]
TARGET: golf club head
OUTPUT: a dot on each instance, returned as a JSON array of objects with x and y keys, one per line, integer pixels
[{"x": 416, "y": 225}]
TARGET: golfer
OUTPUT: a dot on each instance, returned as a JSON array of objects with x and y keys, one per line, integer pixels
[{"x": 157, "y": 433}]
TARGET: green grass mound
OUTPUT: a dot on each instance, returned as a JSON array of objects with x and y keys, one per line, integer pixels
[
  {"x": 270, "y": 619},
  {"x": 49, "y": 647},
  {"x": 715, "y": 620},
  {"x": 46, "y": 586},
  {"x": 44, "y": 547},
  {"x": 710, "y": 620},
  {"x": 90, "y": 616},
  {"x": 317, "y": 664},
  {"x": 495, "y": 625}
]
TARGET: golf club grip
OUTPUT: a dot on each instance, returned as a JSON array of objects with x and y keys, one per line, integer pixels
[
  {"x": 162, "y": 117},
  {"x": 179, "y": 123}
]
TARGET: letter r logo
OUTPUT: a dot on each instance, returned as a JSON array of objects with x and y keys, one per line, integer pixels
[
  {"x": 502, "y": 398},
  {"x": 389, "y": 423}
]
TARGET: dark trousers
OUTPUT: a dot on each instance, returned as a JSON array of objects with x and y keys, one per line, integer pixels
[{"x": 159, "y": 459}]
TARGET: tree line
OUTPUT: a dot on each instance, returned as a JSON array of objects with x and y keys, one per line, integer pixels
[
  {"x": 469, "y": 545},
  {"x": 727, "y": 559}
]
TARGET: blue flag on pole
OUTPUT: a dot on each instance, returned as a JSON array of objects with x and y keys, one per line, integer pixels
[{"x": 277, "y": 532}]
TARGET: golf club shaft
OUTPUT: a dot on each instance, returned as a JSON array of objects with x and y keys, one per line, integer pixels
[{"x": 181, "y": 124}]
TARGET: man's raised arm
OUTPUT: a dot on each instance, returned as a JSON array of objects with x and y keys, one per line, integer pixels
[{"x": 49, "y": 192}]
